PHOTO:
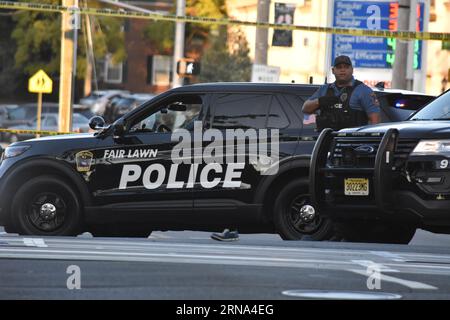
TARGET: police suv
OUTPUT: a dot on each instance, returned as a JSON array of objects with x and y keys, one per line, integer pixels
[
  {"x": 380, "y": 183},
  {"x": 169, "y": 164}
]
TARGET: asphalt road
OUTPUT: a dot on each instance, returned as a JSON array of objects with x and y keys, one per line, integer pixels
[{"x": 189, "y": 265}]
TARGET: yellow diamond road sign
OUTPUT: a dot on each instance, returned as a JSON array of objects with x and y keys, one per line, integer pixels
[{"x": 40, "y": 82}]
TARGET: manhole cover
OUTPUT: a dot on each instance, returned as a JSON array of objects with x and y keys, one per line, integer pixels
[{"x": 341, "y": 295}]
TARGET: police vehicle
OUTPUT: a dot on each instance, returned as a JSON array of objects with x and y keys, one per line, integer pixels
[
  {"x": 380, "y": 183},
  {"x": 124, "y": 180}
]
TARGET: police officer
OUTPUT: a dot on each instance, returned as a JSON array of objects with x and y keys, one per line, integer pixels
[{"x": 345, "y": 103}]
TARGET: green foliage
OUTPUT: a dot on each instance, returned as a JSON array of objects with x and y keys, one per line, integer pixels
[
  {"x": 162, "y": 33},
  {"x": 8, "y": 75},
  {"x": 38, "y": 39},
  {"x": 226, "y": 61}
]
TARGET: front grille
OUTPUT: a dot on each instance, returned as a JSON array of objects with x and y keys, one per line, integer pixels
[{"x": 361, "y": 152}]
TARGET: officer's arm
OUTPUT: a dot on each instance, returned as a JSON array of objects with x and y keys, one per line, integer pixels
[
  {"x": 310, "y": 106},
  {"x": 374, "y": 118}
]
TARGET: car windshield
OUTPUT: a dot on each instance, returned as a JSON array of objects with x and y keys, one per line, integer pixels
[{"x": 438, "y": 109}]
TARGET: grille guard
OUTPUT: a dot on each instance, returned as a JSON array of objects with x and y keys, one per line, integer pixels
[{"x": 381, "y": 173}]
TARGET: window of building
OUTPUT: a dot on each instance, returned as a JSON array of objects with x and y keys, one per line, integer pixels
[
  {"x": 159, "y": 69},
  {"x": 113, "y": 72}
]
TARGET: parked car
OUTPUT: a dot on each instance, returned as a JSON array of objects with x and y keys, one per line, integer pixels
[
  {"x": 90, "y": 100},
  {"x": 379, "y": 183},
  {"x": 122, "y": 104},
  {"x": 99, "y": 105},
  {"x": 49, "y": 122},
  {"x": 15, "y": 115}
]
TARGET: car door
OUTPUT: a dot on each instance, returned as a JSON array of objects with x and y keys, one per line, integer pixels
[
  {"x": 136, "y": 171},
  {"x": 232, "y": 183}
]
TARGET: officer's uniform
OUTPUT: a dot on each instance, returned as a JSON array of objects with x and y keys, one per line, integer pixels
[{"x": 351, "y": 110}]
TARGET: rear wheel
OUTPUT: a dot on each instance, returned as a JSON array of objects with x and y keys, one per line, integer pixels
[
  {"x": 296, "y": 219},
  {"x": 46, "y": 205}
]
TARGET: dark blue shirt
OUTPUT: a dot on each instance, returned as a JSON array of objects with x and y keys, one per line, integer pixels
[{"x": 363, "y": 98}]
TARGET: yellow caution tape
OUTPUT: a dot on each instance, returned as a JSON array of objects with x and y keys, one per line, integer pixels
[
  {"x": 404, "y": 35},
  {"x": 47, "y": 133}
]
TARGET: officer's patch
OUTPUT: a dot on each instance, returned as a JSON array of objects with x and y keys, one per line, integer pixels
[{"x": 84, "y": 161}]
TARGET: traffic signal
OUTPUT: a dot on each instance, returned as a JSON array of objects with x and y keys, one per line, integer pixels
[{"x": 188, "y": 67}]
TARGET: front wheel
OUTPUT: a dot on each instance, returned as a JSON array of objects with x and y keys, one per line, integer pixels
[
  {"x": 296, "y": 219},
  {"x": 47, "y": 206}
]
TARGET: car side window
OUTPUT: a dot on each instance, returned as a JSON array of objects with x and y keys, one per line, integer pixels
[
  {"x": 51, "y": 122},
  {"x": 277, "y": 117},
  {"x": 175, "y": 113},
  {"x": 240, "y": 111},
  {"x": 17, "y": 113}
]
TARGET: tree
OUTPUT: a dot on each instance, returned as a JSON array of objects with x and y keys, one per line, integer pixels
[
  {"x": 38, "y": 39},
  {"x": 162, "y": 33},
  {"x": 9, "y": 76},
  {"x": 226, "y": 61}
]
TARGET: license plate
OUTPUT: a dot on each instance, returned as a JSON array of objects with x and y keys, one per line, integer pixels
[{"x": 356, "y": 187}]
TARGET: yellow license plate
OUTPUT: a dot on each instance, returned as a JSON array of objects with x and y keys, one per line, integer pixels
[{"x": 356, "y": 187}]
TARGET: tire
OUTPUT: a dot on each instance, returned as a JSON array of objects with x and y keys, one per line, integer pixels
[
  {"x": 287, "y": 218},
  {"x": 376, "y": 232},
  {"x": 47, "y": 206},
  {"x": 122, "y": 231}
]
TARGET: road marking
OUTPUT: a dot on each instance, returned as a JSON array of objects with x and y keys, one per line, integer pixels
[
  {"x": 388, "y": 255},
  {"x": 159, "y": 236},
  {"x": 369, "y": 263},
  {"x": 406, "y": 283},
  {"x": 34, "y": 242}
]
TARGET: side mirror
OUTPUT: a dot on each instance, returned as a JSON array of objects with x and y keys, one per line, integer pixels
[
  {"x": 97, "y": 123},
  {"x": 118, "y": 129},
  {"x": 177, "y": 107}
]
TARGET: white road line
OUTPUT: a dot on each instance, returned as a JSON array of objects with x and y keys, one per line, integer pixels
[
  {"x": 369, "y": 263},
  {"x": 159, "y": 236},
  {"x": 34, "y": 242},
  {"x": 388, "y": 255},
  {"x": 406, "y": 283}
]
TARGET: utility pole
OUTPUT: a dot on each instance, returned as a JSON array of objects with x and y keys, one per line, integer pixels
[
  {"x": 178, "y": 51},
  {"x": 399, "y": 70},
  {"x": 69, "y": 32},
  {"x": 261, "y": 43},
  {"x": 89, "y": 57}
]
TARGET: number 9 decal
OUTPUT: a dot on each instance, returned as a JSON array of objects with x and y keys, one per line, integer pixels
[{"x": 444, "y": 164}]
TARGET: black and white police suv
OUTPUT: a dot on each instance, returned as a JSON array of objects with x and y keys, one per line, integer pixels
[
  {"x": 173, "y": 163},
  {"x": 380, "y": 183}
]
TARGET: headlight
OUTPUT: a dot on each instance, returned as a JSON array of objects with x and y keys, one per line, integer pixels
[
  {"x": 15, "y": 151},
  {"x": 430, "y": 147}
]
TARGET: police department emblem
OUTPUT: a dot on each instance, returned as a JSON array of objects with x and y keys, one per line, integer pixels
[{"x": 84, "y": 161}]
